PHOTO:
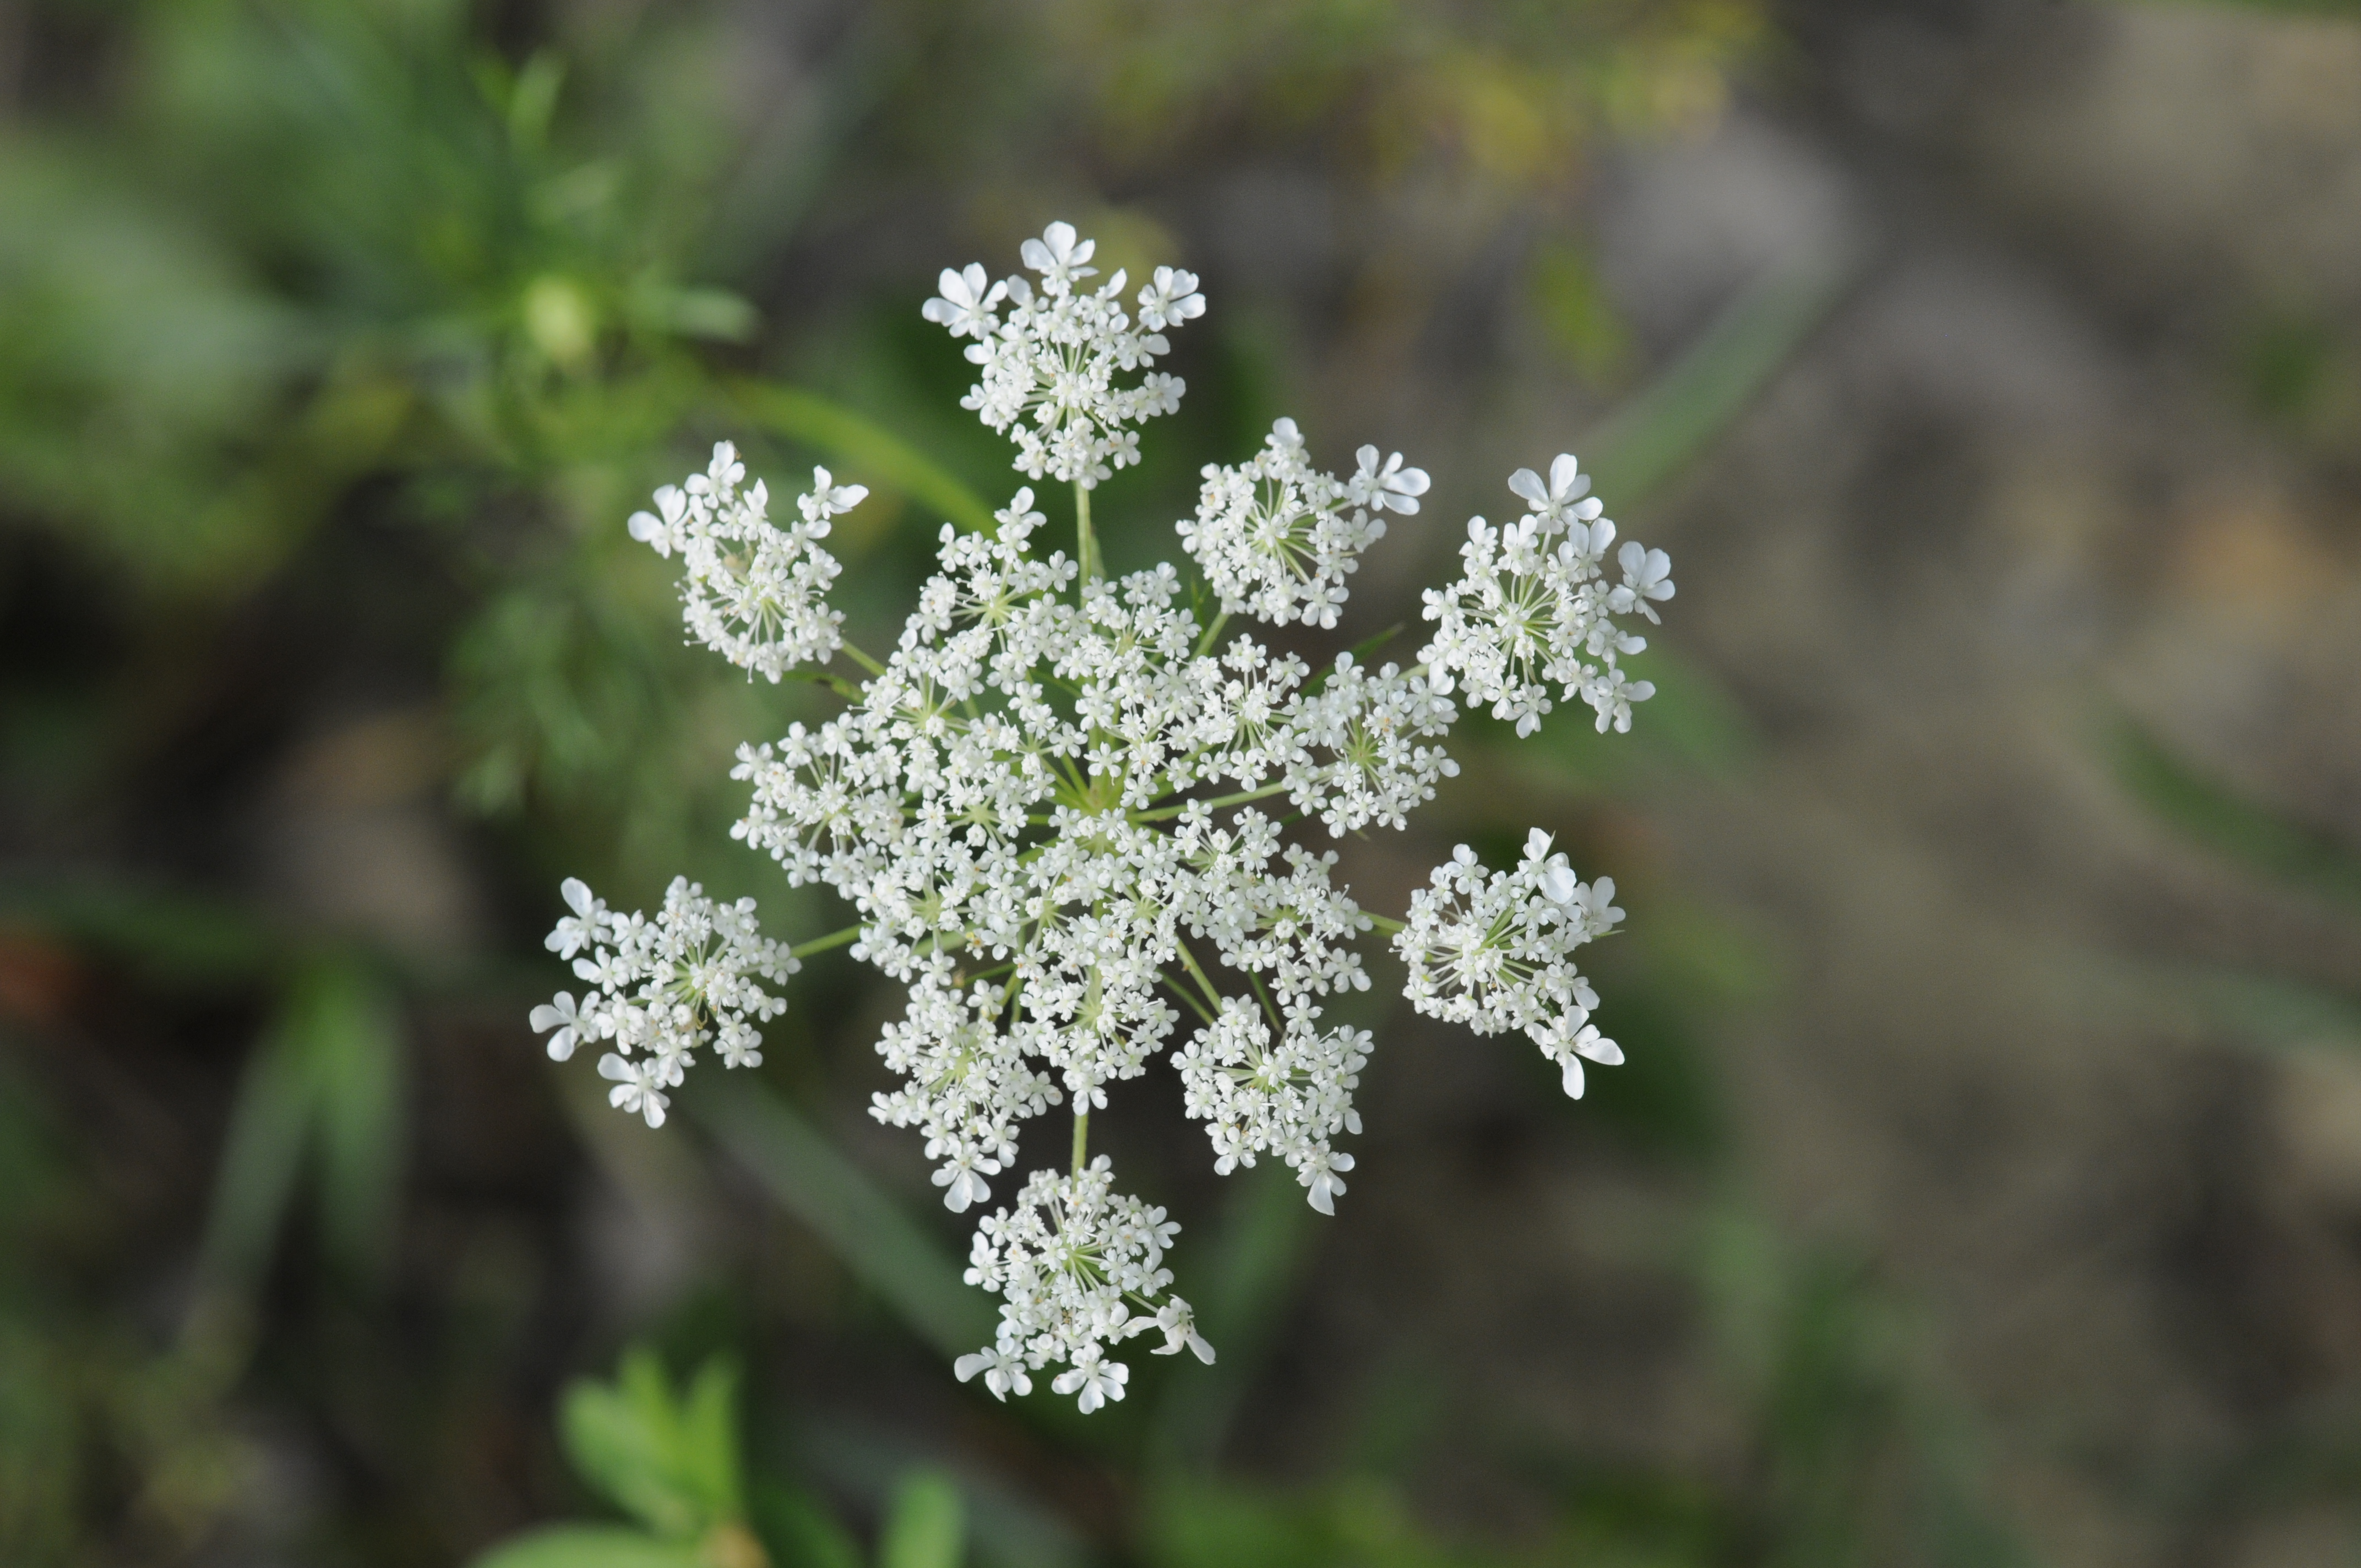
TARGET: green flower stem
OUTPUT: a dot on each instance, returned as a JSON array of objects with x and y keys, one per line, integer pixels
[
  {"x": 1161, "y": 812},
  {"x": 822, "y": 944},
  {"x": 1189, "y": 962},
  {"x": 1081, "y": 1139},
  {"x": 1087, "y": 545}
]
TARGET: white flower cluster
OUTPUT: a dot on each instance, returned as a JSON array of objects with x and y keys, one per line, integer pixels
[
  {"x": 1291, "y": 1100},
  {"x": 1048, "y": 364},
  {"x": 1535, "y": 607},
  {"x": 660, "y": 988},
  {"x": 1277, "y": 538},
  {"x": 1046, "y": 808},
  {"x": 1494, "y": 951},
  {"x": 1078, "y": 1269},
  {"x": 753, "y": 592}
]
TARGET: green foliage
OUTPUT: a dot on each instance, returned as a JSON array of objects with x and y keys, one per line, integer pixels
[
  {"x": 671, "y": 1458},
  {"x": 1360, "y": 1522},
  {"x": 328, "y": 1075},
  {"x": 925, "y": 1528},
  {"x": 594, "y": 1546}
]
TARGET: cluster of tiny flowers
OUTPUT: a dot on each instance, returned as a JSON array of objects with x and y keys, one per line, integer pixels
[
  {"x": 1494, "y": 951},
  {"x": 1291, "y": 1099},
  {"x": 1275, "y": 537},
  {"x": 1048, "y": 361},
  {"x": 662, "y": 988},
  {"x": 1059, "y": 809},
  {"x": 1078, "y": 1269},
  {"x": 1535, "y": 607},
  {"x": 752, "y": 592}
]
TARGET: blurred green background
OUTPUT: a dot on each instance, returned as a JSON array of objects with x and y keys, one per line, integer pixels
[{"x": 1984, "y": 1184}]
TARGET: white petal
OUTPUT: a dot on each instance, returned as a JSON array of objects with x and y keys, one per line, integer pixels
[
  {"x": 1600, "y": 1048},
  {"x": 1528, "y": 485},
  {"x": 1573, "y": 1080},
  {"x": 577, "y": 893}
]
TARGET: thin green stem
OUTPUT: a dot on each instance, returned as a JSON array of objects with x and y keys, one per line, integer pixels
[
  {"x": 1278, "y": 1029},
  {"x": 1081, "y": 1139},
  {"x": 861, "y": 659},
  {"x": 1086, "y": 555},
  {"x": 1186, "y": 996},
  {"x": 1212, "y": 632},
  {"x": 1189, "y": 962},
  {"x": 822, "y": 944},
  {"x": 1384, "y": 923},
  {"x": 1161, "y": 812}
]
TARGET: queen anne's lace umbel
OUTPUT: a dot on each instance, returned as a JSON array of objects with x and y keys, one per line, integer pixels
[{"x": 1055, "y": 809}]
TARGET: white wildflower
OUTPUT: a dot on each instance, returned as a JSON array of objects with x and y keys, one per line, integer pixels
[
  {"x": 661, "y": 988},
  {"x": 1533, "y": 608},
  {"x": 1275, "y": 537},
  {"x": 1494, "y": 951},
  {"x": 752, "y": 591},
  {"x": 1063, "y": 817},
  {"x": 1048, "y": 363},
  {"x": 559, "y": 1013},
  {"x": 1169, "y": 299},
  {"x": 1070, "y": 1264}
]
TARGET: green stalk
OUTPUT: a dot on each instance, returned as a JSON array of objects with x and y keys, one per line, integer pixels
[
  {"x": 1086, "y": 553},
  {"x": 1082, "y": 1138},
  {"x": 822, "y": 944}
]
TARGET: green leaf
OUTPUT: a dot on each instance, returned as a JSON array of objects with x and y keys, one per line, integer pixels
[
  {"x": 591, "y": 1546},
  {"x": 624, "y": 1440},
  {"x": 800, "y": 1530},
  {"x": 868, "y": 451},
  {"x": 926, "y": 1528},
  {"x": 705, "y": 1440}
]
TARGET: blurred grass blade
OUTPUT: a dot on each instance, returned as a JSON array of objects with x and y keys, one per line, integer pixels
[
  {"x": 885, "y": 1247},
  {"x": 2222, "y": 821},
  {"x": 1678, "y": 415},
  {"x": 269, "y": 1123},
  {"x": 177, "y": 937},
  {"x": 926, "y": 1528},
  {"x": 329, "y": 1070},
  {"x": 592, "y": 1546},
  {"x": 870, "y": 453},
  {"x": 1256, "y": 1259},
  {"x": 360, "y": 1090}
]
